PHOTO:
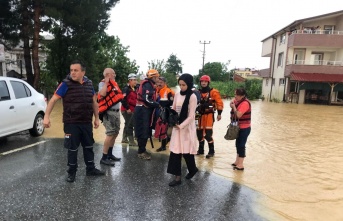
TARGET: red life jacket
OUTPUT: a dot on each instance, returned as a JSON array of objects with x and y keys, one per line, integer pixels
[
  {"x": 113, "y": 96},
  {"x": 140, "y": 100},
  {"x": 246, "y": 117}
]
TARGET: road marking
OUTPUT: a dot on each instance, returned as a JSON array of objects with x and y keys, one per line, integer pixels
[{"x": 22, "y": 148}]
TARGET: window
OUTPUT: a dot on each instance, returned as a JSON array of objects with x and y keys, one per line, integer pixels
[
  {"x": 267, "y": 80},
  {"x": 328, "y": 29},
  {"x": 281, "y": 81},
  {"x": 20, "y": 90},
  {"x": 299, "y": 56},
  {"x": 280, "y": 59},
  {"x": 283, "y": 38},
  {"x": 317, "y": 58},
  {"x": 4, "y": 94}
]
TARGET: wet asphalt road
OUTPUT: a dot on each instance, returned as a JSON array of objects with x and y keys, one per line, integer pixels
[{"x": 33, "y": 187}]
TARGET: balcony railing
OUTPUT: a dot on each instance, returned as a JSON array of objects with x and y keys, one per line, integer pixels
[
  {"x": 321, "y": 32},
  {"x": 315, "y": 62}
]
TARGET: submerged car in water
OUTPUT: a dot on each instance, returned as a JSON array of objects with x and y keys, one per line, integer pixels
[{"x": 21, "y": 107}]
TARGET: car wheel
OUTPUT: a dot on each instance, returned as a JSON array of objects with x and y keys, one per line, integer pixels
[{"x": 38, "y": 127}]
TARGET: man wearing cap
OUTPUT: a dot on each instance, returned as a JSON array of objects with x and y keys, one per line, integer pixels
[
  {"x": 128, "y": 108},
  {"x": 109, "y": 98},
  {"x": 145, "y": 105}
]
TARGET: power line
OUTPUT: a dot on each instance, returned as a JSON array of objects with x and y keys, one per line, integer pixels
[{"x": 203, "y": 54}]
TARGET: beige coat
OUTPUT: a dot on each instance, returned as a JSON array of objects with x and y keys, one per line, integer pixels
[{"x": 184, "y": 140}]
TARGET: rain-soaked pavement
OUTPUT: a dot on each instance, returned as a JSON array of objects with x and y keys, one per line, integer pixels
[{"x": 33, "y": 187}]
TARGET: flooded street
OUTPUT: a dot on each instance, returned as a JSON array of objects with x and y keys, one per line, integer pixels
[{"x": 294, "y": 158}]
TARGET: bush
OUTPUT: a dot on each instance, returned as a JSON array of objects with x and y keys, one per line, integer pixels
[{"x": 227, "y": 89}]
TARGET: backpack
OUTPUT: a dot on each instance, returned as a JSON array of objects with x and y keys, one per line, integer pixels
[{"x": 169, "y": 116}]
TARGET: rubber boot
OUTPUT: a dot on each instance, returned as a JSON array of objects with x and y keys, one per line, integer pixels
[
  {"x": 124, "y": 140},
  {"x": 211, "y": 150},
  {"x": 201, "y": 148},
  {"x": 132, "y": 141},
  {"x": 163, "y": 146}
]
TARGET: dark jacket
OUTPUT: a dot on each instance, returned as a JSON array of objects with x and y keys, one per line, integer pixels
[{"x": 78, "y": 101}]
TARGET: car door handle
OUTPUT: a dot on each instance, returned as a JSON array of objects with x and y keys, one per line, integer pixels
[
  {"x": 12, "y": 107},
  {"x": 33, "y": 103}
]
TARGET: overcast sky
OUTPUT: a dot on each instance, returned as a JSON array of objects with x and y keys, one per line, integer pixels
[{"x": 154, "y": 29}]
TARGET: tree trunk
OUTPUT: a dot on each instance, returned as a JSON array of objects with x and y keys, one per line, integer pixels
[
  {"x": 35, "y": 42},
  {"x": 25, "y": 34}
]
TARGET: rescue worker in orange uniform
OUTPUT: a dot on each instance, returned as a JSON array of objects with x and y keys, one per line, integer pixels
[
  {"x": 210, "y": 102},
  {"x": 165, "y": 97}
]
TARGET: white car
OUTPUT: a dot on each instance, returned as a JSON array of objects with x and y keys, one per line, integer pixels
[{"x": 21, "y": 107}]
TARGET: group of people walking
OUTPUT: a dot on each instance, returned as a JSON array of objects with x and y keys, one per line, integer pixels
[{"x": 142, "y": 106}]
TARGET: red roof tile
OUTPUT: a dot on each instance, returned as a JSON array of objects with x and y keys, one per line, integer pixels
[{"x": 316, "y": 77}]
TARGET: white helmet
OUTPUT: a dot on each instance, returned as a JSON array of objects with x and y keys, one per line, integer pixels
[{"x": 132, "y": 76}]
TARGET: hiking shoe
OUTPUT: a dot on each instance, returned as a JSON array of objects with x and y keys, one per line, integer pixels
[
  {"x": 107, "y": 162},
  {"x": 144, "y": 156},
  {"x": 161, "y": 149},
  {"x": 71, "y": 177},
  {"x": 94, "y": 172},
  {"x": 112, "y": 157},
  {"x": 209, "y": 155}
]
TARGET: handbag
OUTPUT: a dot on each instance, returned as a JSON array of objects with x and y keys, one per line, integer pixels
[{"x": 232, "y": 130}]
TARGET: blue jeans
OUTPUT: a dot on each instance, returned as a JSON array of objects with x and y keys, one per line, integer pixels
[{"x": 242, "y": 140}]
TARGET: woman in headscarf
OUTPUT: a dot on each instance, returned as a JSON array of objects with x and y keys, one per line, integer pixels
[{"x": 183, "y": 141}]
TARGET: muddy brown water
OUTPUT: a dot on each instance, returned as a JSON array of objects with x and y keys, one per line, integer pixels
[{"x": 294, "y": 158}]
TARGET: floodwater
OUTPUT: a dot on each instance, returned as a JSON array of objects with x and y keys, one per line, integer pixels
[{"x": 294, "y": 158}]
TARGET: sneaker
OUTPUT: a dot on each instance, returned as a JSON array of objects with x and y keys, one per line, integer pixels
[
  {"x": 94, "y": 172},
  {"x": 124, "y": 141},
  {"x": 71, "y": 177},
  {"x": 112, "y": 157},
  {"x": 209, "y": 155},
  {"x": 161, "y": 149},
  {"x": 107, "y": 162},
  {"x": 144, "y": 156}
]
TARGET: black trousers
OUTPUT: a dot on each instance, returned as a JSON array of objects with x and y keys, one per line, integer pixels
[
  {"x": 76, "y": 134},
  {"x": 174, "y": 164}
]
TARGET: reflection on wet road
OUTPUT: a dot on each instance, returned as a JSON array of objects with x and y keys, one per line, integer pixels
[{"x": 294, "y": 158}]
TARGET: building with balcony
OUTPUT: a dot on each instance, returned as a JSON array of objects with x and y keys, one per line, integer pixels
[
  {"x": 306, "y": 61},
  {"x": 12, "y": 63}
]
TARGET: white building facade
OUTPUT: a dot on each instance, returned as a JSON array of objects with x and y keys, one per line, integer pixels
[{"x": 306, "y": 61}]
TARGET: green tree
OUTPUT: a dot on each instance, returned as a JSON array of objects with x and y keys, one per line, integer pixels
[
  {"x": 253, "y": 88},
  {"x": 173, "y": 65},
  {"x": 77, "y": 27},
  {"x": 9, "y": 24},
  {"x": 214, "y": 70},
  {"x": 158, "y": 65}
]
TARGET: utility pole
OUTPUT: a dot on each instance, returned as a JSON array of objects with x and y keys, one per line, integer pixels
[{"x": 203, "y": 54}]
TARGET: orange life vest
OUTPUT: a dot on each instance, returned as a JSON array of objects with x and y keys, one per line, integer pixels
[{"x": 113, "y": 96}]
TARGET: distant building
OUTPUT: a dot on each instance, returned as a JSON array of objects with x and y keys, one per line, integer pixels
[
  {"x": 245, "y": 73},
  {"x": 13, "y": 63},
  {"x": 306, "y": 61}
]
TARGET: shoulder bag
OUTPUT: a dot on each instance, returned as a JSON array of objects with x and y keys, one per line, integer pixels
[{"x": 232, "y": 130}]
